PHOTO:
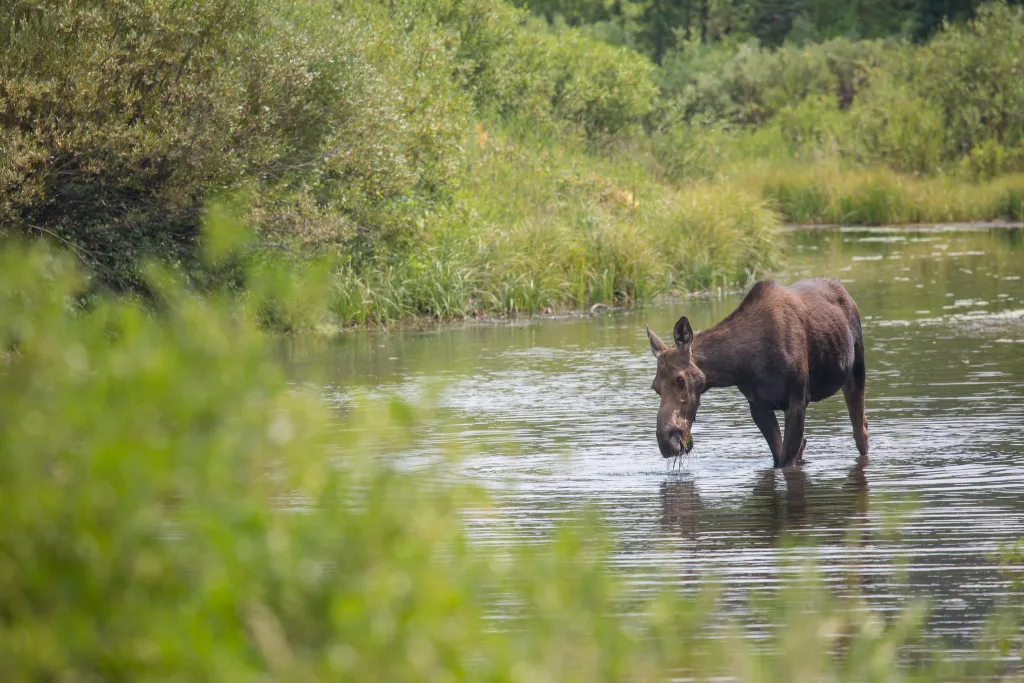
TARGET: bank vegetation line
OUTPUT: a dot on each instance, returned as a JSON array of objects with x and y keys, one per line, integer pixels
[{"x": 451, "y": 158}]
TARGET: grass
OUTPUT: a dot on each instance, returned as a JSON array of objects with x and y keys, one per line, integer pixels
[
  {"x": 540, "y": 223},
  {"x": 825, "y": 192}
]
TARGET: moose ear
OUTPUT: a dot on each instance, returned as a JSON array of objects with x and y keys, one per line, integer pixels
[
  {"x": 657, "y": 346},
  {"x": 683, "y": 333}
]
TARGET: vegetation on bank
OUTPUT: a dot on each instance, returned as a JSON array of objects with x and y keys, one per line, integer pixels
[
  {"x": 453, "y": 157},
  {"x": 657, "y": 28},
  {"x": 174, "y": 509}
]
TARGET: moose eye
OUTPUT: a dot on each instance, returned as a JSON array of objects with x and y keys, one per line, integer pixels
[{"x": 681, "y": 381}]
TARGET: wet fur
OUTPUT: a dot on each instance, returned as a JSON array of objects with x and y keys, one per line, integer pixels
[{"x": 783, "y": 348}]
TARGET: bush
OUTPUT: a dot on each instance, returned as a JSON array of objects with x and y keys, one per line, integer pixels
[
  {"x": 556, "y": 76},
  {"x": 894, "y": 125},
  {"x": 952, "y": 103},
  {"x": 975, "y": 74},
  {"x": 119, "y": 120},
  {"x": 747, "y": 84},
  {"x": 813, "y": 126}
]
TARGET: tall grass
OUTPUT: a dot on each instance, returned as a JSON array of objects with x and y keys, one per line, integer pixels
[
  {"x": 171, "y": 508},
  {"x": 540, "y": 223},
  {"x": 825, "y": 192}
]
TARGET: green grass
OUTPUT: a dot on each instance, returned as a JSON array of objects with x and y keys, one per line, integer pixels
[
  {"x": 540, "y": 223},
  {"x": 171, "y": 508},
  {"x": 555, "y": 224},
  {"x": 825, "y": 192}
]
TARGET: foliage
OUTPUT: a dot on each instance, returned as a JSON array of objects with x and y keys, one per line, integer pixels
[
  {"x": 541, "y": 223},
  {"x": 460, "y": 157},
  {"x": 119, "y": 120},
  {"x": 826, "y": 193},
  {"x": 748, "y": 84},
  {"x": 523, "y": 70},
  {"x": 974, "y": 74},
  {"x": 657, "y": 27},
  {"x": 895, "y": 125}
]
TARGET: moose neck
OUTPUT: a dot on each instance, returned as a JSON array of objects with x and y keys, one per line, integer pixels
[{"x": 716, "y": 357}]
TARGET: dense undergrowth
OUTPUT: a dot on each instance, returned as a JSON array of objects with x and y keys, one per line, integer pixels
[
  {"x": 174, "y": 509},
  {"x": 458, "y": 157}
]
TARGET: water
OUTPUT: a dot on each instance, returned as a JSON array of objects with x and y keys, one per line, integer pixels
[{"x": 555, "y": 414}]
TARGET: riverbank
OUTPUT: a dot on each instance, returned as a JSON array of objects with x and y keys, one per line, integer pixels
[
  {"x": 437, "y": 162},
  {"x": 542, "y": 224},
  {"x": 544, "y": 231},
  {"x": 905, "y": 227},
  {"x": 828, "y": 193}
]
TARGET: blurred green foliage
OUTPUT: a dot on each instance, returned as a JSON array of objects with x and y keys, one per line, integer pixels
[{"x": 174, "y": 509}]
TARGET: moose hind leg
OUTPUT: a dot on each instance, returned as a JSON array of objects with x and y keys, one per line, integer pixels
[
  {"x": 766, "y": 421},
  {"x": 793, "y": 443},
  {"x": 853, "y": 392}
]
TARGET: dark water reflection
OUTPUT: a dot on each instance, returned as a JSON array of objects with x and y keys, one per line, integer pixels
[{"x": 555, "y": 414}]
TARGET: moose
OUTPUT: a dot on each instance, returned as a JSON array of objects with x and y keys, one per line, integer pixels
[{"x": 783, "y": 348}]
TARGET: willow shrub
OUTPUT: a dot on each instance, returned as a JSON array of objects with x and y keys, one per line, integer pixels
[
  {"x": 118, "y": 121},
  {"x": 749, "y": 84}
]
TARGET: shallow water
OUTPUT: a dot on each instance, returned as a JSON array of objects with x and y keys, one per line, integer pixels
[{"x": 555, "y": 414}]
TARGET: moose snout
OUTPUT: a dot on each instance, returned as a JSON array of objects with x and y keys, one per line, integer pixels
[{"x": 674, "y": 442}]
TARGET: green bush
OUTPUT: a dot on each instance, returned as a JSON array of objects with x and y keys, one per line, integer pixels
[
  {"x": 748, "y": 84},
  {"x": 556, "y": 76},
  {"x": 955, "y": 101},
  {"x": 813, "y": 126},
  {"x": 975, "y": 74},
  {"x": 895, "y": 126},
  {"x": 119, "y": 120}
]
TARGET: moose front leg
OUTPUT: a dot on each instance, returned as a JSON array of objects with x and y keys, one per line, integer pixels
[
  {"x": 794, "y": 442},
  {"x": 766, "y": 421}
]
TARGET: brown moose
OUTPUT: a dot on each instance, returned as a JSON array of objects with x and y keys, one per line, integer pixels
[{"x": 782, "y": 347}]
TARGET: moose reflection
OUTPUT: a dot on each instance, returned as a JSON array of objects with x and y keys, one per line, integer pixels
[{"x": 777, "y": 504}]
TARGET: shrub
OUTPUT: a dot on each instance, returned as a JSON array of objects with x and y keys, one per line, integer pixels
[
  {"x": 894, "y": 125},
  {"x": 975, "y": 73},
  {"x": 748, "y": 84},
  {"x": 557, "y": 75},
  {"x": 813, "y": 126},
  {"x": 119, "y": 120}
]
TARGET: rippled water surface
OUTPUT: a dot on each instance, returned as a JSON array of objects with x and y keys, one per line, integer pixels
[{"x": 555, "y": 414}]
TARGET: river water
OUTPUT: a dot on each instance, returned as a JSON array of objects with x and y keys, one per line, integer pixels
[{"x": 556, "y": 414}]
